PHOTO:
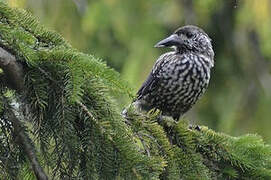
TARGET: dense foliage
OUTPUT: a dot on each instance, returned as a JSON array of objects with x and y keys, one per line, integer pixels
[
  {"x": 69, "y": 114},
  {"x": 123, "y": 33}
]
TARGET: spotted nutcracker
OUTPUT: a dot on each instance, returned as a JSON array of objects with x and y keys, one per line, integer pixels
[{"x": 179, "y": 77}]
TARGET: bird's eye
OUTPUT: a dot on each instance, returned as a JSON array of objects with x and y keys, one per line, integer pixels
[{"x": 189, "y": 35}]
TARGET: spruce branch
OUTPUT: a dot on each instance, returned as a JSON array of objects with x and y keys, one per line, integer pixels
[
  {"x": 25, "y": 143},
  {"x": 85, "y": 109},
  {"x": 80, "y": 130},
  {"x": 13, "y": 73}
]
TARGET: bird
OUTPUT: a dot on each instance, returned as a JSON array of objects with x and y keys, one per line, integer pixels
[{"x": 179, "y": 77}]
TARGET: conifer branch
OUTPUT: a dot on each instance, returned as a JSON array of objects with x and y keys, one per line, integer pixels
[
  {"x": 86, "y": 111},
  {"x": 13, "y": 72},
  {"x": 81, "y": 133},
  {"x": 25, "y": 143}
]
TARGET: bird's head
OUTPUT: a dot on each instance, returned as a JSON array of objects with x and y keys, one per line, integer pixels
[{"x": 189, "y": 38}]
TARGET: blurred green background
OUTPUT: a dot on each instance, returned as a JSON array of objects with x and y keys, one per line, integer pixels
[{"x": 123, "y": 33}]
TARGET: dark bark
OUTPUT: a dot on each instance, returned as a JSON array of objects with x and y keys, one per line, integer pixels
[
  {"x": 13, "y": 71},
  {"x": 14, "y": 78},
  {"x": 25, "y": 143}
]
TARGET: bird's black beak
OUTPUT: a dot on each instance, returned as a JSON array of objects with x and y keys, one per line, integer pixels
[{"x": 172, "y": 40}]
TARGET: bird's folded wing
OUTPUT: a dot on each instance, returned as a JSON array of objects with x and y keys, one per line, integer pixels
[{"x": 148, "y": 86}]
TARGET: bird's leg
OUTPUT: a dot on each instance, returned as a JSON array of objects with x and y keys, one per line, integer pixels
[{"x": 160, "y": 118}]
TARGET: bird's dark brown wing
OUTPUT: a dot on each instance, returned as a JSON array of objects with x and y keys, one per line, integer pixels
[
  {"x": 152, "y": 82},
  {"x": 148, "y": 86}
]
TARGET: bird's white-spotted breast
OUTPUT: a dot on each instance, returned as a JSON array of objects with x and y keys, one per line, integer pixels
[{"x": 183, "y": 78}]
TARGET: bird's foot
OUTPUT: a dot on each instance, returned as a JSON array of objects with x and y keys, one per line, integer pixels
[
  {"x": 194, "y": 127},
  {"x": 197, "y": 128}
]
